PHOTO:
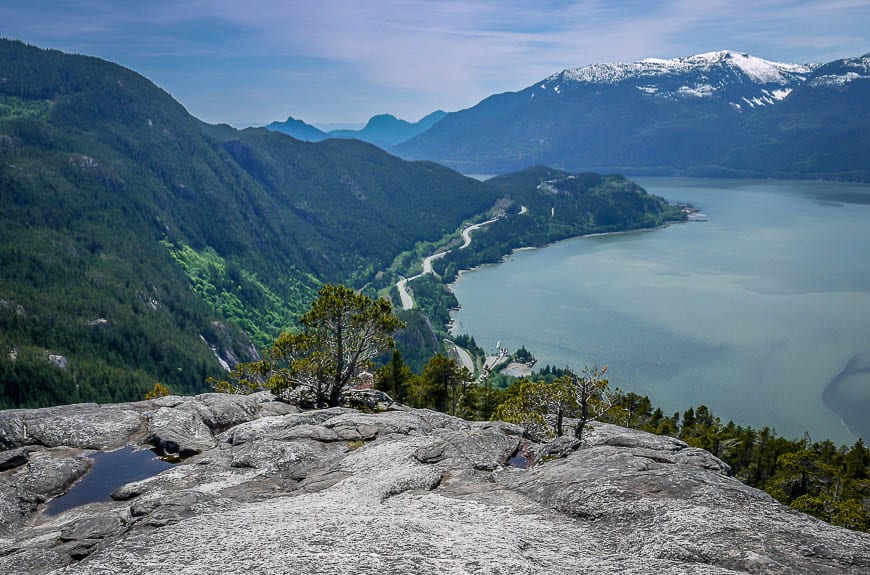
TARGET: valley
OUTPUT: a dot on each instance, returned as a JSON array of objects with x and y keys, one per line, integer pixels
[{"x": 140, "y": 244}]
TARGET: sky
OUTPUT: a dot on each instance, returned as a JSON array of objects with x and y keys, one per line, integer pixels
[{"x": 338, "y": 62}]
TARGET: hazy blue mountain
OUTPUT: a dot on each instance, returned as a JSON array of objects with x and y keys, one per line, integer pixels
[
  {"x": 298, "y": 129},
  {"x": 710, "y": 114},
  {"x": 384, "y": 130}
]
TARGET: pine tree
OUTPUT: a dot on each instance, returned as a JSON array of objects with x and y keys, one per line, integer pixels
[
  {"x": 393, "y": 378},
  {"x": 341, "y": 333}
]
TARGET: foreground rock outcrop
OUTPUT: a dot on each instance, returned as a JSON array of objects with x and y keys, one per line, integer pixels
[{"x": 267, "y": 488}]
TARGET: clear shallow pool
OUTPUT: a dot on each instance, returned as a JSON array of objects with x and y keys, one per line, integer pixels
[
  {"x": 111, "y": 469},
  {"x": 752, "y": 313}
]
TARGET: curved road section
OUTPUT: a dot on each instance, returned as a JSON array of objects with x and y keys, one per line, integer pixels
[
  {"x": 402, "y": 284},
  {"x": 462, "y": 355}
]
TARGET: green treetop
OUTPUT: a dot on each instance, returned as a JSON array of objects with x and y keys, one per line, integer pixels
[{"x": 341, "y": 333}]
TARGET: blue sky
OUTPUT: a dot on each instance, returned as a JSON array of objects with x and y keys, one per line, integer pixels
[{"x": 249, "y": 62}]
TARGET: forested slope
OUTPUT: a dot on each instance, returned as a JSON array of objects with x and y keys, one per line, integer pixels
[
  {"x": 558, "y": 205},
  {"x": 134, "y": 237}
]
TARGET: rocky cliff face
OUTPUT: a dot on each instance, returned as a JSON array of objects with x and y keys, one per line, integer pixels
[{"x": 270, "y": 489}]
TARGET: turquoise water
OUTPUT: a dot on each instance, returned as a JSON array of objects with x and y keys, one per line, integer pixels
[{"x": 752, "y": 313}]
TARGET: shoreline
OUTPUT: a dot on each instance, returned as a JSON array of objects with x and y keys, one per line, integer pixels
[
  {"x": 504, "y": 259},
  {"x": 824, "y": 419}
]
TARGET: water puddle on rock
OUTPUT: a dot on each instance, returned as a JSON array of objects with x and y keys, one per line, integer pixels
[
  {"x": 111, "y": 469},
  {"x": 522, "y": 459},
  {"x": 519, "y": 461}
]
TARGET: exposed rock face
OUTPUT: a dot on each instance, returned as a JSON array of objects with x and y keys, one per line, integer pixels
[
  {"x": 47, "y": 474},
  {"x": 85, "y": 425},
  {"x": 12, "y": 458},
  {"x": 179, "y": 430},
  {"x": 271, "y": 490}
]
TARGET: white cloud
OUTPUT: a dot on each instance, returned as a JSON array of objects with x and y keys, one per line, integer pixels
[{"x": 411, "y": 56}]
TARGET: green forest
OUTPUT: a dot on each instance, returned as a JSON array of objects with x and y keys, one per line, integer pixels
[
  {"x": 558, "y": 205},
  {"x": 140, "y": 244}
]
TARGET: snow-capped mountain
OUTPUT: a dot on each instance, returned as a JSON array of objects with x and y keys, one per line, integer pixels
[
  {"x": 733, "y": 77},
  {"x": 842, "y": 72},
  {"x": 717, "y": 113},
  {"x": 757, "y": 70}
]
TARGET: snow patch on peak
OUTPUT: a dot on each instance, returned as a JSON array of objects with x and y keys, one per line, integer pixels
[
  {"x": 765, "y": 71},
  {"x": 698, "y": 91},
  {"x": 756, "y": 69},
  {"x": 844, "y": 72},
  {"x": 836, "y": 80},
  {"x": 859, "y": 64}
]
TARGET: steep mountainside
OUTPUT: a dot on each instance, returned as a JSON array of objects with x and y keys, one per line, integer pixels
[
  {"x": 384, "y": 130},
  {"x": 720, "y": 113},
  {"x": 822, "y": 129},
  {"x": 115, "y": 202}
]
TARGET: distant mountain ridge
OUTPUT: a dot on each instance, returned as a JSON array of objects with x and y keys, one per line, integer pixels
[
  {"x": 758, "y": 69},
  {"x": 738, "y": 78},
  {"x": 723, "y": 113},
  {"x": 298, "y": 129},
  {"x": 384, "y": 130}
]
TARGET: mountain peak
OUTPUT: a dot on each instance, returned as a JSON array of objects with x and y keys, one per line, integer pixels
[
  {"x": 383, "y": 130},
  {"x": 841, "y": 72},
  {"x": 755, "y": 69},
  {"x": 298, "y": 129},
  {"x": 386, "y": 122},
  {"x": 760, "y": 70}
]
